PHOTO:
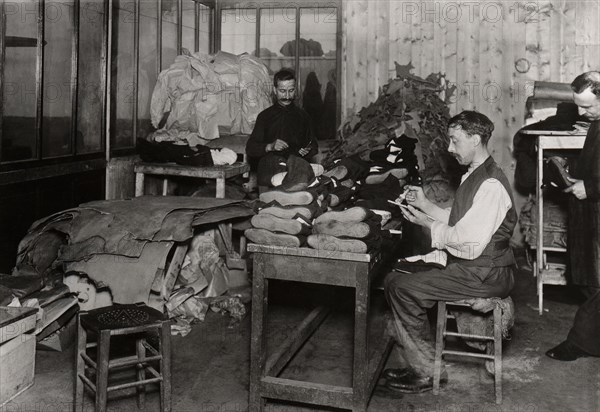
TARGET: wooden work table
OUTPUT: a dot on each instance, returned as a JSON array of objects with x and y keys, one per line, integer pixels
[{"x": 354, "y": 270}]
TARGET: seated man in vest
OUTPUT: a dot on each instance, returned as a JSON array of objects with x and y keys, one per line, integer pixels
[{"x": 472, "y": 244}]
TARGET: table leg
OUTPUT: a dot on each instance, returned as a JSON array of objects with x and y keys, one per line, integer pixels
[
  {"x": 360, "y": 374},
  {"x": 139, "y": 184},
  {"x": 220, "y": 188},
  {"x": 540, "y": 223},
  {"x": 260, "y": 298}
]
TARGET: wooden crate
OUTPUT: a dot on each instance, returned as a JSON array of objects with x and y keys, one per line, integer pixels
[{"x": 17, "y": 357}]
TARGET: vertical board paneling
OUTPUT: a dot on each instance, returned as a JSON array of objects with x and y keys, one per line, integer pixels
[
  {"x": 467, "y": 77},
  {"x": 529, "y": 14},
  {"x": 426, "y": 25},
  {"x": 555, "y": 40},
  {"x": 383, "y": 35},
  {"x": 548, "y": 40},
  {"x": 372, "y": 62},
  {"x": 399, "y": 40},
  {"x": 492, "y": 87},
  {"x": 543, "y": 37},
  {"x": 416, "y": 40},
  {"x": 449, "y": 23},
  {"x": 516, "y": 82},
  {"x": 568, "y": 49}
]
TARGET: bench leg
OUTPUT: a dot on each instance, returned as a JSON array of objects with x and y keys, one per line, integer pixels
[
  {"x": 165, "y": 188},
  {"x": 139, "y": 184}
]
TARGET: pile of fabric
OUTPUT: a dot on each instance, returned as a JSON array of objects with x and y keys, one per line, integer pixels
[
  {"x": 120, "y": 250},
  {"x": 204, "y": 96}
]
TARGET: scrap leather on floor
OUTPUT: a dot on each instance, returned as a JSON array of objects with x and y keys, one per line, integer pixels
[
  {"x": 129, "y": 234},
  {"x": 123, "y": 227}
]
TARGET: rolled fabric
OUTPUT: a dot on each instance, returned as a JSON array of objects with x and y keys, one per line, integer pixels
[{"x": 552, "y": 91}]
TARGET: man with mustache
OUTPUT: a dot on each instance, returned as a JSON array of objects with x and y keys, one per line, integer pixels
[
  {"x": 472, "y": 242},
  {"x": 583, "y": 235},
  {"x": 281, "y": 130}
]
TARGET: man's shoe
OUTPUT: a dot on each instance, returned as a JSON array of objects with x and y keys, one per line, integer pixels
[
  {"x": 298, "y": 225},
  {"x": 354, "y": 214},
  {"x": 374, "y": 178},
  {"x": 287, "y": 198},
  {"x": 265, "y": 237},
  {"x": 413, "y": 384},
  {"x": 339, "y": 172},
  {"x": 335, "y": 244},
  {"x": 395, "y": 374},
  {"x": 356, "y": 230},
  {"x": 557, "y": 172},
  {"x": 566, "y": 352}
]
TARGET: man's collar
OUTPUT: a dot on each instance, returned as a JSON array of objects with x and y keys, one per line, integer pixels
[
  {"x": 282, "y": 107},
  {"x": 475, "y": 164}
]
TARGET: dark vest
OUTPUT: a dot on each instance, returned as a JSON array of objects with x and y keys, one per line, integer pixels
[{"x": 498, "y": 252}]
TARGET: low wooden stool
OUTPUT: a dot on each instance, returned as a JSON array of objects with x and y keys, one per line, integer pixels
[
  {"x": 133, "y": 319},
  {"x": 441, "y": 333}
]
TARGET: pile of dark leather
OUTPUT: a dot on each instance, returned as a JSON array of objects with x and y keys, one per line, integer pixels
[{"x": 412, "y": 106}]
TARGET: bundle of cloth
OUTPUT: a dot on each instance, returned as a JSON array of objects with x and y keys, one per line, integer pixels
[{"x": 204, "y": 96}]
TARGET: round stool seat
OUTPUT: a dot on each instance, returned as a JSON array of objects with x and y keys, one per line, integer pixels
[{"x": 120, "y": 316}]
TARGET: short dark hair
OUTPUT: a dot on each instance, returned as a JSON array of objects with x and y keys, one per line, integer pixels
[
  {"x": 473, "y": 123},
  {"x": 283, "y": 75},
  {"x": 585, "y": 80}
]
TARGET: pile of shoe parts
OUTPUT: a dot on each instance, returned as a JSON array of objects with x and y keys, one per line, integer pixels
[
  {"x": 412, "y": 106},
  {"x": 318, "y": 209},
  {"x": 296, "y": 219}
]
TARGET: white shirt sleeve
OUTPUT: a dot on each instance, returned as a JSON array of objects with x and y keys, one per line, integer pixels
[{"x": 471, "y": 234}]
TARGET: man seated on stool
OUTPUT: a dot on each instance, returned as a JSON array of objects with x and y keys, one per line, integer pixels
[
  {"x": 281, "y": 130},
  {"x": 472, "y": 242}
]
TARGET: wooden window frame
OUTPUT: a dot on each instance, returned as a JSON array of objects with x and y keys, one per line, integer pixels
[
  {"x": 302, "y": 4},
  {"x": 38, "y": 167}
]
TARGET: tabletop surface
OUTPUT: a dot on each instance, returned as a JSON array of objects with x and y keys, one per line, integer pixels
[
  {"x": 554, "y": 132},
  {"x": 309, "y": 252},
  {"x": 175, "y": 166}
]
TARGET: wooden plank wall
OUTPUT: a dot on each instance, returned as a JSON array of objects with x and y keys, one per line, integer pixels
[{"x": 477, "y": 44}]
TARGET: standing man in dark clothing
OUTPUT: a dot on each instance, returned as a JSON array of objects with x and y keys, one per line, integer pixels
[
  {"x": 281, "y": 130},
  {"x": 584, "y": 227}
]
